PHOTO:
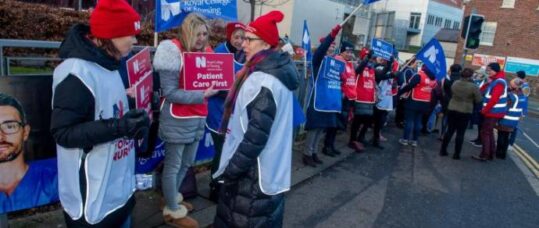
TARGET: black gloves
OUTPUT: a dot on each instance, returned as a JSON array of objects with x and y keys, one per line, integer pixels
[{"x": 134, "y": 124}]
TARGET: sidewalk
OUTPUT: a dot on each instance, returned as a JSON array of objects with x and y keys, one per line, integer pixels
[{"x": 147, "y": 212}]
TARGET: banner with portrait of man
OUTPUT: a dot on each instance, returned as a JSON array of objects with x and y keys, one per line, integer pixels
[{"x": 27, "y": 150}]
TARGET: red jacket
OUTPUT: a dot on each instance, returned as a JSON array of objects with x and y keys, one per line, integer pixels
[{"x": 497, "y": 91}]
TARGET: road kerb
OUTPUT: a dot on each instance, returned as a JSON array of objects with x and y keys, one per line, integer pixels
[{"x": 530, "y": 162}]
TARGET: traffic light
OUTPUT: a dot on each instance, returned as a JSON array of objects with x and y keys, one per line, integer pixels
[{"x": 472, "y": 26}]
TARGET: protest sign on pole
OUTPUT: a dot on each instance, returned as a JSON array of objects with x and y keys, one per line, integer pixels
[
  {"x": 382, "y": 48},
  {"x": 201, "y": 70},
  {"x": 433, "y": 56}
]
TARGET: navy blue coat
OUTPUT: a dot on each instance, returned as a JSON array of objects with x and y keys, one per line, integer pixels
[{"x": 317, "y": 119}]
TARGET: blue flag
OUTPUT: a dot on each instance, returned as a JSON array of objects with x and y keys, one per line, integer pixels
[
  {"x": 432, "y": 55},
  {"x": 366, "y": 2},
  {"x": 170, "y": 13},
  {"x": 306, "y": 41}
]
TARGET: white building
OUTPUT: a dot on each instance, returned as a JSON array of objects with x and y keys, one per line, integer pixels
[
  {"x": 321, "y": 16},
  {"x": 415, "y": 22}
]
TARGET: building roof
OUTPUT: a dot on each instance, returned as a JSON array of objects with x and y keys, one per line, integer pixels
[
  {"x": 448, "y": 35},
  {"x": 453, "y": 3}
]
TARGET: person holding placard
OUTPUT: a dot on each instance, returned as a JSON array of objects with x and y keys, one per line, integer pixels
[
  {"x": 94, "y": 129},
  {"x": 318, "y": 120},
  {"x": 255, "y": 167},
  {"x": 183, "y": 115}
]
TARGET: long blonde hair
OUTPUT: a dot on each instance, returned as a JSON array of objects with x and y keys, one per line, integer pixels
[{"x": 188, "y": 29}]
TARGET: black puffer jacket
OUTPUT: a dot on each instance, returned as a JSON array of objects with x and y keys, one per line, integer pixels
[{"x": 241, "y": 201}]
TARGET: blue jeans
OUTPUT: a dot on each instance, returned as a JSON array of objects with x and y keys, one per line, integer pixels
[
  {"x": 412, "y": 122},
  {"x": 178, "y": 158}
]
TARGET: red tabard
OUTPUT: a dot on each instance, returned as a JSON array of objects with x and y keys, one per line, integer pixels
[
  {"x": 348, "y": 79},
  {"x": 365, "y": 89},
  {"x": 395, "y": 69},
  {"x": 184, "y": 111},
  {"x": 423, "y": 91}
]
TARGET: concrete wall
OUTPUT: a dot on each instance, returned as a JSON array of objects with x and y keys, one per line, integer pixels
[
  {"x": 445, "y": 12},
  {"x": 321, "y": 16},
  {"x": 285, "y": 6},
  {"x": 403, "y": 9},
  {"x": 450, "y": 49}
]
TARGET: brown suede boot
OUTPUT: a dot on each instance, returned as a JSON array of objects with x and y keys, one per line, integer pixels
[
  {"x": 178, "y": 218},
  {"x": 180, "y": 201}
]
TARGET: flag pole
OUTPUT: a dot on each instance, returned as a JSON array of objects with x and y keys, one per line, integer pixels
[
  {"x": 351, "y": 14},
  {"x": 155, "y": 39},
  {"x": 305, "y": 64}
]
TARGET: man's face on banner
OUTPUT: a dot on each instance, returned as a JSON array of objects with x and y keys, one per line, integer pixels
[{"x": 13, "y": 134}]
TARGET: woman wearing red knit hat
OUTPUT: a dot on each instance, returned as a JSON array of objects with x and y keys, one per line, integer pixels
[
  {"x": 235, "y": 31},
  {"x": 183, "y": 115},
  {"x": 91, "y": 121},
  {"x": 255, "y": 165}
]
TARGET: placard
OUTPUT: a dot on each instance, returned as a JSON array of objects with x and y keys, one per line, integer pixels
[{"x": 203, "y": 69}]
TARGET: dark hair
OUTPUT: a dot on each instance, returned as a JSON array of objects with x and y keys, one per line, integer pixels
[
  {"x": 466, "y": 73},
  {"x": 455, "y": 68},
  {"x": 521, "y": 74},
  {"x": 6, "y": 100},
  {"x": 494, "y": 66},
  {"x": 109, "y": 47}
]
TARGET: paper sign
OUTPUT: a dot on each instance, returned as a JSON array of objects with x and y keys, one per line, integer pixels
[
  {"x": 530, "y": 66},
  {"x": 138, "y": 66},
  {"x": 144, "y": 94},
  {"x": 382, "y": 49},
  {"x": 483, "y": 60},
  {"x": 203, "y": 69}
]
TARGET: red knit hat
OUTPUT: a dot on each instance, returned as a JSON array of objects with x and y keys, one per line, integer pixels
[
  {"x": 231, "y": 27},
  {"x": 265, "y": 27},
  {"x": 114, "y": 18}
]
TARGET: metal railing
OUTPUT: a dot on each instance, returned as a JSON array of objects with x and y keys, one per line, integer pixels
[{"x": 14, "y": 43}]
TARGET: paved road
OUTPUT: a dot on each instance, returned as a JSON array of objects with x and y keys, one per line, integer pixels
[
  {"x": 401, "y": 187},
  {"x": 528, "y": 136}
]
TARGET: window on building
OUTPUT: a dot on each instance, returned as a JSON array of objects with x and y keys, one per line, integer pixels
[
  {"x": 447, "y": 24},
  {"x": 488, "y": 33},
  {"x": 456, "y": 25},
  {"x": 438, "y": 22},
  {"x": 430, "y": 20},
  {"x": 414, "y": 20},
  {"x": 508, "y": 4}
]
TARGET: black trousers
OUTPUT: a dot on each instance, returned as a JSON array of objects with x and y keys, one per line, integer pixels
[
  {"x": 502, "y": 144},
  {"x": 359, "y": 120},
  {"x": 331, "y": 134},
  {"x": 379, "y": 120},
  {"x": 399, "y": 113},
  {"x": 456, "y": 121}
]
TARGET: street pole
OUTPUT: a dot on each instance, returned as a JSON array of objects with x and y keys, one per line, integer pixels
[{"x": 464, "y": 49}]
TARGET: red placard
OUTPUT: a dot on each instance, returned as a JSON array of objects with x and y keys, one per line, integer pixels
[
  {"x": 138, "y": 66},
  {"x": 203, "y": 69},
  {"x": 144, "y": 93}
]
